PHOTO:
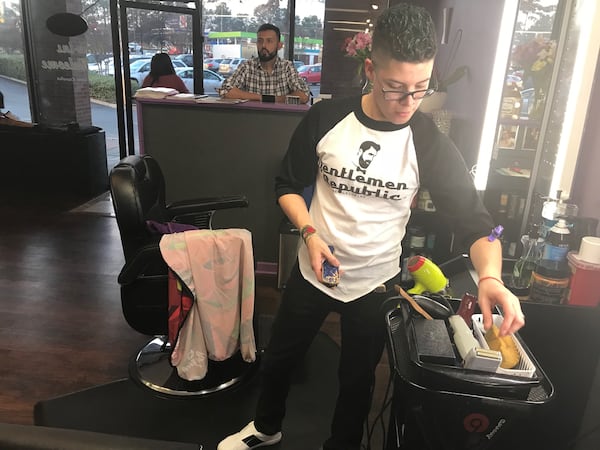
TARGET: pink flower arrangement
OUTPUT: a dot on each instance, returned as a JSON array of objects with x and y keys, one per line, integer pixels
[{"x": 358, "y": 46}]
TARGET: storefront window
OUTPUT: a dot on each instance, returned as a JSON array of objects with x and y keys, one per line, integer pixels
[
  {"x": 230, "y": 32},
  {"x": 12, "y": 61},
  {"x": 228, "y": 29}
]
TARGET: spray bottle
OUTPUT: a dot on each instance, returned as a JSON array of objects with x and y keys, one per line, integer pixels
[{"x": 525, "y": 265}]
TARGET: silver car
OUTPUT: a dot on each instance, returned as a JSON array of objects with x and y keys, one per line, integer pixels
[
  {"x": 212, "y": 80},
  {"x": 228, "y": 66}
]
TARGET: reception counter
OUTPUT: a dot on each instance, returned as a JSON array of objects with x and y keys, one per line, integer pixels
[{"x": 208, "y": 149}]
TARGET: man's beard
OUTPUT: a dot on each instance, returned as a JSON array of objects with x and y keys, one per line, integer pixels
[{"x": 266, "y": 57}]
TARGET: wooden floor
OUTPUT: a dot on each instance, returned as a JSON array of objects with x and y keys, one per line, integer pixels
[{"x": 61, "y": 326}]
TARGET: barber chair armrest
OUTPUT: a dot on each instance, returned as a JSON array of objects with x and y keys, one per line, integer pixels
[
  {"x": 149, "y": 256},
  {"x": 203, "y": 205}
]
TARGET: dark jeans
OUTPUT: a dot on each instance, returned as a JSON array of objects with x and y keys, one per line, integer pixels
[{"x": 302, "y": 311}]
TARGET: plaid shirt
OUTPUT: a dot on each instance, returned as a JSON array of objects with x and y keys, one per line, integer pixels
[{"x": 251, "y": 77}]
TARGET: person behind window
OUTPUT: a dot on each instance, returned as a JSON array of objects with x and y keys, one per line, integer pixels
[
  {"x": 267, "y": 74},
  {"x": 364, "y": 218},
  {"x": 162, "y": 74}
]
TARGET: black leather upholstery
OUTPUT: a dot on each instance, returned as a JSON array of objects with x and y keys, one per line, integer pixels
[{"x": 138, "y": 193}]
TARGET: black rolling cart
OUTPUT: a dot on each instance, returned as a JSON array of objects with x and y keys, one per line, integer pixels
[{"x": 442, "y": 406}]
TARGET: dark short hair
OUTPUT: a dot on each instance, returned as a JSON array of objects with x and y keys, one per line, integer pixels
[
  {"x": 270, "y": 26},
  {"x": 405, "y": 32},
  {"x": 370, "y": 144}
]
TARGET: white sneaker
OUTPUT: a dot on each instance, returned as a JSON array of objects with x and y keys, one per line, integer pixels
[{"x": 248, "y": 438}]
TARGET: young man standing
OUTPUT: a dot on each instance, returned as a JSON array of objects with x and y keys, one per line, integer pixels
[
  {"x": 267, "y": 77},
  {"x": 364, "y": 217}
]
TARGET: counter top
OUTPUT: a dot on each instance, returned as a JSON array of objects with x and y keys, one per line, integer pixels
[{"x": 217, "y": 102}]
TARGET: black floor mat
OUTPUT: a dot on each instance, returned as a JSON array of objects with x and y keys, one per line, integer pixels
[{"x": 125, "y": 408}]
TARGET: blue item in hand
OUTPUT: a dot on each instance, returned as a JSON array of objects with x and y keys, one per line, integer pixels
[{"x": 330, "y": 273}]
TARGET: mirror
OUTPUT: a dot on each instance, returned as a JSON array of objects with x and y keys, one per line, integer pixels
[
  {"x": 521, "y": 123},
  {"x": 66, "y": 24}
]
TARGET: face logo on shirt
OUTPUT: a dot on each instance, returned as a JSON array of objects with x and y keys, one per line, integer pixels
[
  {"x": 365, "y": 155},
  {"x": 355, "y": 181}
]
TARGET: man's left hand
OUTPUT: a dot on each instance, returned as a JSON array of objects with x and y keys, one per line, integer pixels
[{"x": 491, "y": 293}]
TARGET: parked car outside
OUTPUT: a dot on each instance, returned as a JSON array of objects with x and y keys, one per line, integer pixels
[
  {"x": 92, "y": 62},
  {"x": 298, "y": 64},
  {"x": 139, "y": 69},
  {"x": 311, "y": 74},
  {"x": 135, "y": 69},
  {"x": 228, "y": 66},
  {"x": 187, "y": 58},
  {"x": 134, "y": 47},
  {"x": 212, "y": 63},
  {"x": 107, "y": 66},
  {"x": 212, "y": 80}
]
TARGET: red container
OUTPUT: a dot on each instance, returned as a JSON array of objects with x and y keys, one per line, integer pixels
[{"x": 585, "y": 282}]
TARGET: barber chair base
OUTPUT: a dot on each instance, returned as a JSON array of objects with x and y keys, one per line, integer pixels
[{"x": 151, "y": 367}]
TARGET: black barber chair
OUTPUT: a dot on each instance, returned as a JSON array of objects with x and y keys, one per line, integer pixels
[{"x": 137, "y": 187}]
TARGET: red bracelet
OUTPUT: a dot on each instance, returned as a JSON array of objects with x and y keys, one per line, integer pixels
[
  {"x": 490, "y": 278},
  {"x": 307, "y": 231}
]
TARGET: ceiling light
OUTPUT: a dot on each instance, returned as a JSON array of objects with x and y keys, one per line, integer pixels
[
  {"x": 359, "y": 11},
  {"x": 346, "y": 22},
  {"x": 374, "y": 6},
  {"x": 353, "y": 30}
]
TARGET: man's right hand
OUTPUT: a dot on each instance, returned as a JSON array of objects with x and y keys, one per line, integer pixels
[{"x": 318, "y": 251}]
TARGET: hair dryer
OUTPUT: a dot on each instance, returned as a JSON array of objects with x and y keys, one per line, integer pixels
[{"x": 427, "y": 275}]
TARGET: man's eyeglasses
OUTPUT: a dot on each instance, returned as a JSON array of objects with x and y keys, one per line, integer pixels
[{"x": 398, "y": 96}]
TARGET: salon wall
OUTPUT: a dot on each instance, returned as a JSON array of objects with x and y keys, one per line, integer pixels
[
  {"x": 472, "y": 34},
  {"x": 478, "y": 22},
  {"x": 586, "y": 182},
  {"x": 339, "y": 73}
]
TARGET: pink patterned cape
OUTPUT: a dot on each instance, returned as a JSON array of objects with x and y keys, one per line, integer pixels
[{"x": 218, "y": 268}]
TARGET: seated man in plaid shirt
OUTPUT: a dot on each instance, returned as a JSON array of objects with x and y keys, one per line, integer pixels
[{"x": 267, "y": 77}]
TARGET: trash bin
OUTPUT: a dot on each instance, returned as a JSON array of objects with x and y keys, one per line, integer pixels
[{"x": 446, "y": 407}]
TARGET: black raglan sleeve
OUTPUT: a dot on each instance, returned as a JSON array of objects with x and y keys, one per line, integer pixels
[
  {"x": 299, "y": 167},
  {"x": 442, "y": 170}
]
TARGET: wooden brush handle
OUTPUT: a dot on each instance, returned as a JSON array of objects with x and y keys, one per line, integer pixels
[{"x": 412, "y": 301}]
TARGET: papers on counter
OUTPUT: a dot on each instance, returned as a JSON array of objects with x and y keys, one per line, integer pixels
[
  {"x": 160, "y": 93},
  {"x": 155, "y": 92},
  {"x": 190, "y": 97},
  {"x": 220, "y": 100}
]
